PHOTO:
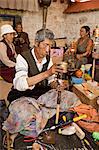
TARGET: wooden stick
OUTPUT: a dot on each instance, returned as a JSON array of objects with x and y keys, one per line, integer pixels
[
  {"x": 93, "y": 69},
  {"x": 57, "y": 114},
  {"x": 58, "y": 105}
]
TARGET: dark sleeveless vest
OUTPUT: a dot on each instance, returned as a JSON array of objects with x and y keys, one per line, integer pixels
[
  {"x": 33, "y": 70},
  {"x": 7, "y": 73}
]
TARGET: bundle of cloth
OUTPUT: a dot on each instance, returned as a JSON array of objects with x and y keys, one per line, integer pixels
[{"x": 29, "y": 116}]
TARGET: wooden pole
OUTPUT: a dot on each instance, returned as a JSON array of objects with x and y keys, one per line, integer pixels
[
  {"x": 58, "y": 106},
  {"x": 93, "y": 69}
]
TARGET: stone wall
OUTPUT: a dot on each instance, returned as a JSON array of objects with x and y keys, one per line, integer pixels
[{"x": 63, "y": 25}]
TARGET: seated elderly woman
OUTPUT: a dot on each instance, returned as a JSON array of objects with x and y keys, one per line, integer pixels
[
  {"x": 7, "y": 60},
  {"x": 7, "y": 53},
  {"x": 82, "y": 47}
]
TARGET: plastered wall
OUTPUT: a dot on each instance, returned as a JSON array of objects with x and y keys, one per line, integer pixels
[{"x": 63, "y": 25}]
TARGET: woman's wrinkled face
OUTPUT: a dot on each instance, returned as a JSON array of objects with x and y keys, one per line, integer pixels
[
  {"x": 83, "y": 32},
  {"x": 9, "y": 37},
  {"x": 44, "y": 48}
]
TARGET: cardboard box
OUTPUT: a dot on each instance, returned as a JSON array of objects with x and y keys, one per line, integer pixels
[{"x": 86, "y": 96}]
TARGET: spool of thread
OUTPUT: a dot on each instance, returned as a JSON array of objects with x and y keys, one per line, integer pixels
[{"x": 79, "y": 132}]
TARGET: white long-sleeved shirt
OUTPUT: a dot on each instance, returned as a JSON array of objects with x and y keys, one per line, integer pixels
[{"x": 20, "y": 80}]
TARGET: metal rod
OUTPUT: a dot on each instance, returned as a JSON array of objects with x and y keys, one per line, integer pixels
[{"x": 44, "y": 16}]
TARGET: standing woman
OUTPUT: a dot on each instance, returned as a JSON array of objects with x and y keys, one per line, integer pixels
[
  {"x": 7, "y": 53},
  {"x": 84, "y": 47}
]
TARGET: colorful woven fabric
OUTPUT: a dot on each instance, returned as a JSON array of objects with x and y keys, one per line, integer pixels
[{"x": 29, "y": 116}]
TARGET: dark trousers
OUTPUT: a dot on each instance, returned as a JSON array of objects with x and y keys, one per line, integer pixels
[{"x": 35, "y": 93}]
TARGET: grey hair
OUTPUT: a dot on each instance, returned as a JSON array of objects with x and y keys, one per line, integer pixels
[{"x": 42, "y": 34}]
